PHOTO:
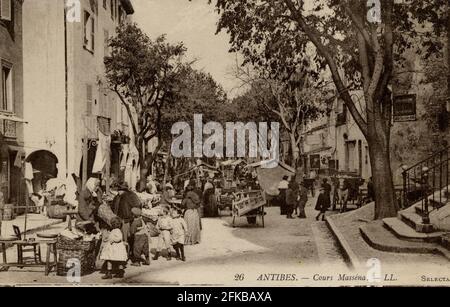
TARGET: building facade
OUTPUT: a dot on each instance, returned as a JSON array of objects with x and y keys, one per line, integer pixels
[
  {"x": 72, "y": 115},
  {"x": 334, "y": 143},
  {"x": 11, "y": 101}
]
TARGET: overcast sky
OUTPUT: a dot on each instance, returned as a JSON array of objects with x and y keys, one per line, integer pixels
[{"x": 193, "y": 23}]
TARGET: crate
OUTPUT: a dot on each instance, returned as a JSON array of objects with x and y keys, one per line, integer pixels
[{"x": 84, "y": 252}]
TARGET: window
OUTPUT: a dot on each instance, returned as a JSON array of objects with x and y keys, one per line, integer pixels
[
  {"x": 341, "y": 116},
  {"x": 89, "y": 98},
  {"x": 7, "y": 88},
  {"x": 6, "y": 10},
  {"x": 106, "y": 42},
  {"x": 89, "y": 32},
  {"x": 112, "y": 9}
]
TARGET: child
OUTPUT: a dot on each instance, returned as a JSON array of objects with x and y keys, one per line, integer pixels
[
  {"x": 138, "y": 231},
  {"x": 114, "y": 251},
  {"x": 179, "y": 230},
  {"x": 322, "y": 205},
  {"x": 164, "y": 225}
]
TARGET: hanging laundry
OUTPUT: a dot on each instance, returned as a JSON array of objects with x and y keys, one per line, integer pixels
[
  {"x": 28, "y": 171},
  {"x": 125, "y": 151},
  {"x": 103, "y": 154},
  {"x": 18, "y": 160}
]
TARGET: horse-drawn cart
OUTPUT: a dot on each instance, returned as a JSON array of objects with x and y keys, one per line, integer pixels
[{"x": 249, "y": 205}]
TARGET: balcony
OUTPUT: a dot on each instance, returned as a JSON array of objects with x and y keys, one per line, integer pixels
[{"x": 8, "y": 128}]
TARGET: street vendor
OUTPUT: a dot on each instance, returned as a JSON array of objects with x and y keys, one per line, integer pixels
[
  {"x": 88, "y": 200},
  {"x": 191, "y": 202},
  {"x": 122, "y": 206}
]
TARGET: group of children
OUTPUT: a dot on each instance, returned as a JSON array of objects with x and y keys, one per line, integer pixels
[{"x": 170, "y": 229}]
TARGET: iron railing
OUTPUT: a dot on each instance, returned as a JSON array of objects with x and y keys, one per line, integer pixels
[{"x": 427, "y": 182}]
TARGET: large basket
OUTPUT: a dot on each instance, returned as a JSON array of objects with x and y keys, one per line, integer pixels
[{"x": 70, "y": 250}]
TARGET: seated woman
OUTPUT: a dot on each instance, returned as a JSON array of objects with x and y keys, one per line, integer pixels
[{"x": 88, "y": 200}]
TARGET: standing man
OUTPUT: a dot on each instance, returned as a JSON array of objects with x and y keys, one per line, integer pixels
[
  {"x": 313, "y": 177},
  {"x": 327, "y": 190},
  {"x": 123, "y": 203},
  {"x": 302, "y": 199},
  {"x": 282, "y": 187}
]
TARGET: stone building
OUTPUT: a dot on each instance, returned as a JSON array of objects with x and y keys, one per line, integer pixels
[
  {"x": 11, "y": 101},
  {"x": 70, "y": 111}
]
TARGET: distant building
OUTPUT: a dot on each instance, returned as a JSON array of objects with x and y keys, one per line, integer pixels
[
  {"x": 334, "y": 143},
  {"x": 65, "y": 94}
]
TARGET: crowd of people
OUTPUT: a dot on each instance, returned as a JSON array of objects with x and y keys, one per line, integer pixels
[
  {"x": 127, "y": 225},
  {"x": 293, "y": 196}
]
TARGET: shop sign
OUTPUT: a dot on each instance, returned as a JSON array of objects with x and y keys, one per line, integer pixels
[{"x": 404, "y": 108}]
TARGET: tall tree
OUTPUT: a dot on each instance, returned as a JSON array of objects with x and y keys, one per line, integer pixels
[
  {"x": 289, "y": 96},
  {"x": 349, "y": 40},
  {"x": 145, "y": 75}
]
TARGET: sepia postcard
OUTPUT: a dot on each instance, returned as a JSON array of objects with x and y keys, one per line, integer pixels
[{"x": 212, "y": 143}]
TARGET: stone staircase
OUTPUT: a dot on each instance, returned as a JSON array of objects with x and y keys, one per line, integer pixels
[{"x": 407, "y": 233}]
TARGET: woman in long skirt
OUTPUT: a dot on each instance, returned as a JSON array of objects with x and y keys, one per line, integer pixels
[{"x": 191, "y": 216}]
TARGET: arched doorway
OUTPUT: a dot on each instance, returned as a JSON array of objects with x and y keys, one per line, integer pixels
[{"x": 44, "y": 165}]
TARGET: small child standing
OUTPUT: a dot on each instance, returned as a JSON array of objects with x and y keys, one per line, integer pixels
[
  {"x": 179, "y": 230},
  {"x": 114, "y": 251},
  {"x": 138, "y": 231},
  {"x": 164, "y": 225}
]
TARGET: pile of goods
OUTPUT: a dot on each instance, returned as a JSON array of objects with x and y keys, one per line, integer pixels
[{"x": 77, "y": 247}]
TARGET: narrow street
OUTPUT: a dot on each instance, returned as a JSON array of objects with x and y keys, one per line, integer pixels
[{"x": 227, "y": 255}]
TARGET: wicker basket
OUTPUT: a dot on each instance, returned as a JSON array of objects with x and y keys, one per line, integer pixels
[{"x": 75, "y": 249}]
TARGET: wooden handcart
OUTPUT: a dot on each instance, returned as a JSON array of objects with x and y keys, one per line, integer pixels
[{"x": 250, "y": 206}]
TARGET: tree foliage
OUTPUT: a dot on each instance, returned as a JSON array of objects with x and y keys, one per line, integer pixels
[{"x": 145, "y": 74}]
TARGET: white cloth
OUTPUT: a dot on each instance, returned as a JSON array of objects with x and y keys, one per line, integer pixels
[
  {"x": 284, "y": 184},
  {"x": 103, "y": 154},
  {"x": 114, "y": 249},
  {"x": 28, "y": 171},
  {"x": 208, "y": 186},
  {"x": 179, "y": 230}
]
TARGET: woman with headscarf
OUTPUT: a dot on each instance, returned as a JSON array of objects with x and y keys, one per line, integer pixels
[
  {"x": 191, "y": 202},
  {"x": 88, "y": 200}
]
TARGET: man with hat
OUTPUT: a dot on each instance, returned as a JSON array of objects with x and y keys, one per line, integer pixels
[
  {"x": 123, "y": 203},
  {"x": 138, "y": 231}
]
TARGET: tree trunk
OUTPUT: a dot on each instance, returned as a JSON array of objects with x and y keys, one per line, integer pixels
[
  {"x": 295, "y": 151},
  {"x": 143, "y": 168},
  {"x": 385, "y": 203}
]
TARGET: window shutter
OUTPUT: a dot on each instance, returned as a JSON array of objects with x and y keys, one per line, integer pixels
[
  {"x": 93, "y": 34},
  {"x": 106, "y": 33},
  {"x": 89, "y": 99},
  {"x": 6, "y": 9}
]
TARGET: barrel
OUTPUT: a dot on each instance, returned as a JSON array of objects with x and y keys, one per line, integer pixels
[
  {"x": 8, "y": 212},
  {"x": 57, "y": 212}
]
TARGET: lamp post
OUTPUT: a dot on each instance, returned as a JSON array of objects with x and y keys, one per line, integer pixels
[{"x": 424, "y": 186}]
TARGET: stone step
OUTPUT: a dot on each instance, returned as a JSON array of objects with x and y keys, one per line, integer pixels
[
  {"x": 433, "y": 205},
  {"x": 414, "y": 220},
  {"x": 379, "y": 238},
  {"x": 405, "y": 232}
]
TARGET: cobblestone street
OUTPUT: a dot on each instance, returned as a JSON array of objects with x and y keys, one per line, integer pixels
[{"x": 282, "y": 247}]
